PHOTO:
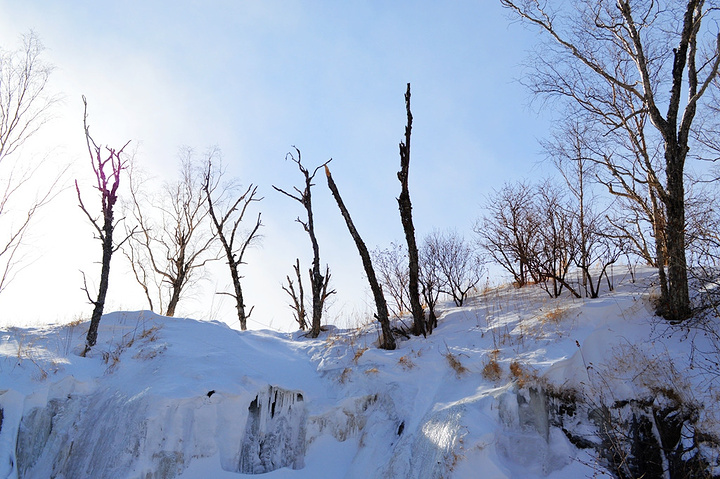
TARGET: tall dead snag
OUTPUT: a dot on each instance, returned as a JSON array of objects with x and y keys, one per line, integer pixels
[
  {"x": 226, "y": 227},
  {"x": 407, "y": 222},
  {"x": 318, "y": 282},
  {"x": 387, "y": 341},
  {"x": 107, "y": 185}
]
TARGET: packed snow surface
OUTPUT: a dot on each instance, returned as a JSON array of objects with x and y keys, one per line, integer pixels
[{"x": 168, "y": 397}]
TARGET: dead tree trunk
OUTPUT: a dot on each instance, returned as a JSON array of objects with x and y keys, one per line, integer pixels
[
  {"x": 317, "y": 281},
  {"x": 658, "y": 225},
  {"x": 107, "y": 185},
  {"x": 406, "y": 217},
  {"x": 388, "y": 340},
  {"x": 234, "y": 262}
]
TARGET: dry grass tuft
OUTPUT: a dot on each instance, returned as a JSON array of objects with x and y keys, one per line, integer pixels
[
  {"x": 150, "y": 334},
  {"x": 554, "y": 315},
  {"x": 142, "y": 339},
  {"x": 455, "y": 363},
  {"x": 345, "y": 375},
  {"x": 76, "y": 322},
  {"x": 406, "y": 362},
  {"x": 358, "y": 354},
  {"x": 492, "y": 371},
  {"x": 522, "y": 374}
]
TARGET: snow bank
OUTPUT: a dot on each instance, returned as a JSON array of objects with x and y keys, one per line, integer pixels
[{"x": 165, "y": 397}]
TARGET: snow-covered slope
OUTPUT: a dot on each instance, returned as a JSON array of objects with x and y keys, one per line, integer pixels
[{"x": 505, "y": 387}]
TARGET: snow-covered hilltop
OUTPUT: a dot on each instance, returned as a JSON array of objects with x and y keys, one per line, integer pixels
[{"x": 513, "y": 385}]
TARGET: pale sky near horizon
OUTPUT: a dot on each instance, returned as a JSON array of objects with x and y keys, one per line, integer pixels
[{"x": 255, "y": 78}]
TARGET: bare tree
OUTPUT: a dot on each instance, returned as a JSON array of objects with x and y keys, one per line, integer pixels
[
  {"x": 405, "y": 206},
  {"x": 557, "y": 246},
  {"x": 298, "y": 297},
  {"x": 598, "y": 242},
  {"x": 107, "y": 174},
  {"x": 391, "y": 266},
  {"x": 509, "y": 229},
  {"x": 388, "y": 340},
  {"x": 458, "y": 265},
  {"x": 226, "y": 220},
  {"x": 318, "y": 282},
  {"x": 625, "y": 161},
  {"x": 431, "y": 281},
  {"x": 173, "y": 244},
  {"x": 605, "y": 51},
  {"x": 24, "y": 108}
]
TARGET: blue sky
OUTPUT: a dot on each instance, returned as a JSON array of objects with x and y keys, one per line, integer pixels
[{"x": 255, "y": 78}]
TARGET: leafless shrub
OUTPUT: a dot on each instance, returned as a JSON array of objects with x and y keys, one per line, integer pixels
[
  {"x": 458, "y": 265},
  {"x": 508, "y": 231},
  {"x": 25, "y": 105},
  {"x": 174, "y": 241},
  {"x": 392, "y": 270},
  {"x": 297, "y": 296}
]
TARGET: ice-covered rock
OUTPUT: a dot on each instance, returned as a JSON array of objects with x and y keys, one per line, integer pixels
[
  {"x": 527, "y": 442},
  {"x": 343, "y": 421},
  {"x": 430, "y": 449},
  {"x": 275, "y": 432},
  {"x": 107, "y": 434}
]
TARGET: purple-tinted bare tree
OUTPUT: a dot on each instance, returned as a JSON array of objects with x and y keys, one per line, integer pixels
[{"x": 108, "y": 170}]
